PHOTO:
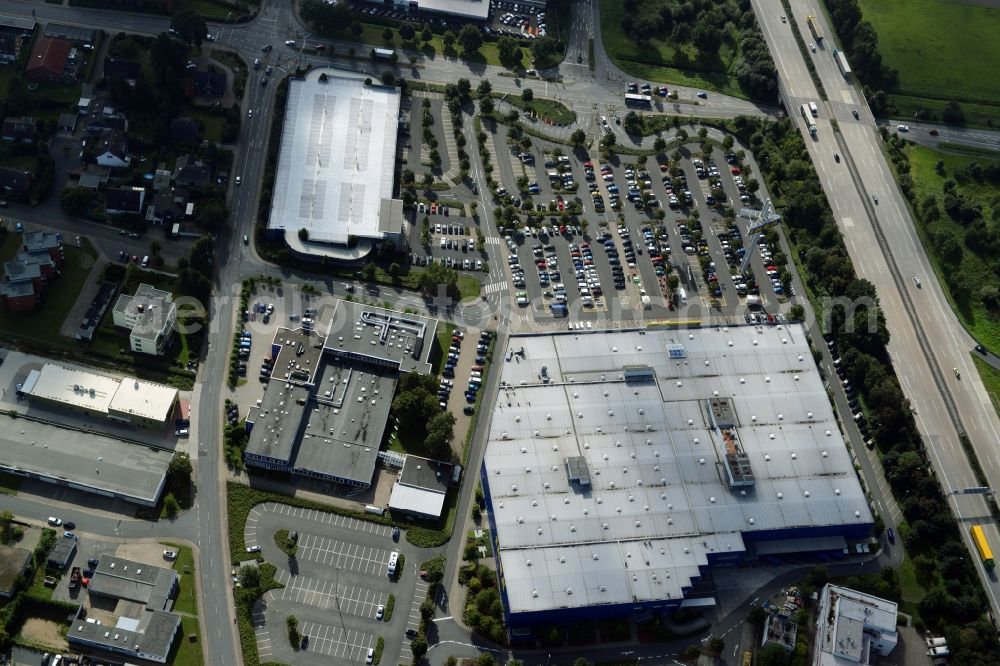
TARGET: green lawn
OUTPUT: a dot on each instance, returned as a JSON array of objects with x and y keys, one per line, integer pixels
[
  {"x": 991, "y": 380},
  {"x": 963, "y": 281},
  {"x": 208, "y": 10},
  {"x": 213, "y": 123},
  {"x": 42, "y": 325},
  {"x": 187, "y": 597},
  {"x": 189, "y": 653},
  {"x": 911, "y": 588},
  {"x": 546, "y": 109},
  {"x": 659, "y": 60},
  {"x": 468, "y": 287},
  {"x": 942, "y": 49},
  {"x": 26, "y": 162}
]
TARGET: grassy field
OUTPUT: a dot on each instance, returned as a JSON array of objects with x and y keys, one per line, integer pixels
[
  {"x": 213, "y": 123},
  {"x": 658, "y": 60},
  {"x": 935, "y": 61},
  {"x": 43, "y": 324},
  {"x": 963, "y": 281},
  {"x": 546, "y": 109},
  {"x": 187, "y": 597},
  {"x": 991, "y": 380}
]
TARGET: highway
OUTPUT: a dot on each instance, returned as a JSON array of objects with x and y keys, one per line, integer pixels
[{"x": 927, "y": 341}]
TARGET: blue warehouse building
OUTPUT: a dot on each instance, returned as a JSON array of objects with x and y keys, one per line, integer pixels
[{"x": 623, "y": 466}]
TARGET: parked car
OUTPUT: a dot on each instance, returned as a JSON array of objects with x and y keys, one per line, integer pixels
[{"x": 170, "y": 554}]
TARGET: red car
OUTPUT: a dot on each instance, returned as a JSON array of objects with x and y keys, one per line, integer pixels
[
  {"x": 933, "y": 132},
  {"x": 735, "y": 171}
]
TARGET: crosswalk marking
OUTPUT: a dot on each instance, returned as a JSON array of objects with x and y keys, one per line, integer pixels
[
  {"x": 493, "y": 240},
  {"x": 495, "y": 288}
]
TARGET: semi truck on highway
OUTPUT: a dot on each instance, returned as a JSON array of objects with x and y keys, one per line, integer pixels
[
  {"x": 807, "y": 116},
  {"x": 845, "y": 67},
  {"x": 814, "y": 28},
  {"x": 982, "y": 546}
]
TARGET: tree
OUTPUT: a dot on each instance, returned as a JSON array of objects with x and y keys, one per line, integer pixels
[
  {"x": 510, "y": 52},
  {"x": 78, "y": 201},
  {"x": 953, "y": 113},
  {"x": 470, "y": 39},
  {"x": 387, "y": 35},
  {"x": 427, "y": 181},
  {"x": 189, "y": 26},
  {"x": 773, "y": 654},
  {"x": 484, "y": 89},
  {"x": 327, "y": 18},
  {"x": 440, "y": 430},
  {"x": 369, "y": 272},
  {"x": 394, "y": 270},
  {"x": 544, "y": 48},
  {"x": 250, "y": 577},
  {"x": 449, "y": 39},
  {"x": 170, "y": 505},
  {"x": 356, "y": 28},
  {"x": 292, "y": 624},
  {"x": 660, "y": 144},
  {"x": 486, "y": 105},
  {"x": 201, "y": 258},
  {"x": 6, "y": 534},
  {"x": 407, "y": 31},
  {"x": 437, "y": 276},
  {"x": 418, "y": 647},
  {"x": 388, "y": 78},
  {"x": 426, "y": 34},
  {"x": 178, "y": 482},
  {"x": 633, "y": 123},
  {"x": 527, "y": 95},
  {"x": 578, "y": 138}
]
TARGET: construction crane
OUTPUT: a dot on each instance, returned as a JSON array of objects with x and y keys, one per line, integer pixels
[{"x": 759, "y": 221}]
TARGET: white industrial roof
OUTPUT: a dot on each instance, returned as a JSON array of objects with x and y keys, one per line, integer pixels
[
  {"x": 335, "y": 167},
  {"x": 144, "y": 399},
  {"x": 416, "y": 500},
  {"x": 657, "y": 461},
  {"x": 475, "y": 9},
  {"x": 72, "y": 386}
]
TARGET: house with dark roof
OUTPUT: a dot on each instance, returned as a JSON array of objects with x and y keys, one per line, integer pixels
[
  {"x": 10, "y": 46},
  {"x": 15, "y": 184},
  {"x": 209, "y": 84},
  {"x": 189, "y": 172},
  {"x": 421, "y": 488},
  {"x": 72, "y": 33},
  {"x": 48, "y": 60},
  {"x": 124, "y": 201},
  {"x": 113, "y": 150},
  {"x": 61, "y": 553},
  {"x": 67, "y": 122},
  {"x": 118, "y": 68},
  {"x": 170, "y": 205},
  {"x": 116, "y": 122},
  {"x": 19, "y": 130},
  {"x": 184, "y": 130}
]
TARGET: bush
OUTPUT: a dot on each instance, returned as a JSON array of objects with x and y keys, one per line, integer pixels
[
  {"x": 285, "y": 543},
  {"x": 379, "y": 646},
  {"x": 294, "y": 637},
  {"x": 389, "y": 606}
]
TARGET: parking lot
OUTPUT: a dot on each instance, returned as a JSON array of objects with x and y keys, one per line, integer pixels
[
  {"x": 324, "y": 594},
  {"x": 334, "y": 585},
  {"x": 452, "y": 240},
  {"x": 645, "y": 222}
]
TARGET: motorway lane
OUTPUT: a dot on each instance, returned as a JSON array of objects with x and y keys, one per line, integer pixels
[
  {"x": 927, "y": 341},
  {"x": 920, "y": 133}
]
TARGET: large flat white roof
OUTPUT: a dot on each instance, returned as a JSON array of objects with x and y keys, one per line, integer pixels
[
  {"x": 475, "y": 9},
  {"x": 337, "y": 157},
  {"x": 144, "y": 399},
  {"x": 629, "y": 485}
]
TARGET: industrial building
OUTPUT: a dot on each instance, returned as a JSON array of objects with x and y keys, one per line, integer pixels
[
  {"x": 334, "y": 181},
  {"x": 621, "y": 467},
  {"x": 128, "y": 401},
  {"x": 853, "y": 627},
  {"x": 129, "y": 610},
  {"x": 421, "y": 488},
  {"x": 327, "y": 400}
]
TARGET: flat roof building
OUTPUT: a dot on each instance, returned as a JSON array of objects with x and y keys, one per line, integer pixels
[
  {"x": 852, "y": 627},
  {"x": 327, "y": 401},
  {"x": 128, "y": 400},
  {"x": 622, "y": 465},
  {"x": 149, "y": 316},
  {"x": 421, "y": 488},
  {"x": 334, "y": 181},
  {"x": 143, "y": 626},
  {"x": 61, "y": 553}
]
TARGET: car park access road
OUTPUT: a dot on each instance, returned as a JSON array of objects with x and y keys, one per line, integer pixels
[{"x": 927, "y": 340}]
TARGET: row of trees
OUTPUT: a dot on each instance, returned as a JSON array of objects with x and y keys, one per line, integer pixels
[
  {"x": 955, "y": 604},
  {"x": 420, "y": 418},
  {"x": 706, "y": 26}
]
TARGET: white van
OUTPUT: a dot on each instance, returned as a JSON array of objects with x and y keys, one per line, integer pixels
[
  {"x": 393, "y": 558},
  {"x": 145, "y": 261}
]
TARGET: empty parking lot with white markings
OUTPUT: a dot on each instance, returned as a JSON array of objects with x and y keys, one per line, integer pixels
[
  {"x": 342, "y": 555},
  {"x": 325, "y": 594},
  {"x": 338, "y": 642}
]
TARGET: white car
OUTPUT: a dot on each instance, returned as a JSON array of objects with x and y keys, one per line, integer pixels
[
  {"x": 55, "y": 521},
  {"x": 253, "y": 549},
  {"x": 170, "y": 554},
  {"x": 903, "y": 128},
  {"x": 290, "y": 42},
  {"x": 379, "y": 612}
]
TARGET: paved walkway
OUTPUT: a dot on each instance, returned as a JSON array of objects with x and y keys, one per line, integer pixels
[{"x": 91, "y": 286}]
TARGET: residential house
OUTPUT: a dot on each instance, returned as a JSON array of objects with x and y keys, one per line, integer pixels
[
  {"x": 20, "y": 130},
  {"x": 48, "y": 60},
  {"x": 15, "y": 184},
  {"x": 110, "y": 120},
  {"x": 150, "y": 315},
  {"x": 184, "y": 130},
  {"x": 126, "y": 70},
  {"x": 170, "y": 205},
  {"x": 10, "y": 47},
  {"x": 209, "y": 84},
  {"x": 44, "y": 243},
  {"x": 92, "y": 176},
  {"x": 189, "y": 172},
  {"x": 28, "y": 275},
  {"x": 162, "y": 177},
  {"x": 124, "y": 201},
  {"x": 112, "y": 150},
  {"x": 15, "y": 563}
]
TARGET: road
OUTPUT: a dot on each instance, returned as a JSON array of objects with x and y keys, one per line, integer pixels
[{"x": 927, "y": 341}]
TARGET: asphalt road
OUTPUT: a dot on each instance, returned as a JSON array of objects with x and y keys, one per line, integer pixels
[{"x": 927, "y": 341}]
